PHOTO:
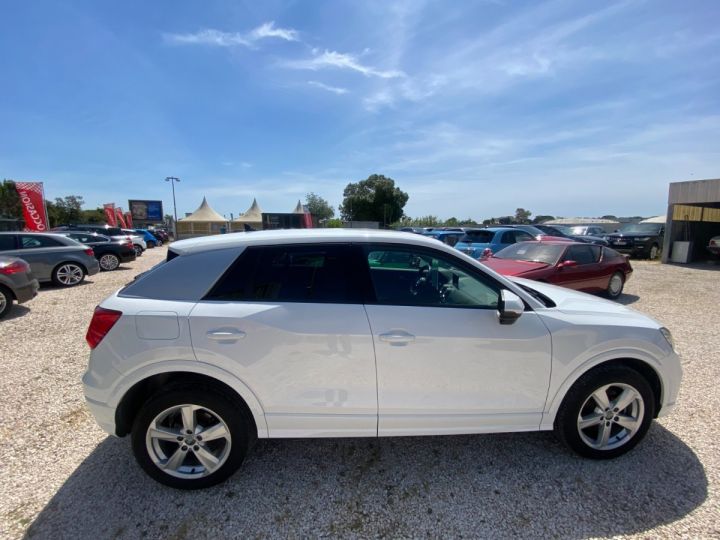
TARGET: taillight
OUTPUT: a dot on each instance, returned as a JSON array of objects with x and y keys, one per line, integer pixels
[
  {"x": 89, "y": 251},
  {"x": 487, "y": 253},
  {"x": 103, "y": 320},
  {"x": 15, "y": 267}
]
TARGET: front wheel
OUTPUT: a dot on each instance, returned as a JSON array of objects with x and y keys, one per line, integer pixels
[
  {"x": 606, "y": 412},
  {"x": 615, "y": 285},
  {"x": 654, "y": 251},
  {"x": 150, "y": 244},
  {"x": 190, "y": 438},
  {"x": 68, "y": 274},
  {"x": 6, "y": 302}
]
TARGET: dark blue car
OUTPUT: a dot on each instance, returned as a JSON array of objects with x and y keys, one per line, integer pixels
[{"x": 475, "y": 242}]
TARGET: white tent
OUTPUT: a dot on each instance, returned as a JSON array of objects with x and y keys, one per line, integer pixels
[
  {"x": 205, "y": 214},
  {"x": 656, "y": 219}
]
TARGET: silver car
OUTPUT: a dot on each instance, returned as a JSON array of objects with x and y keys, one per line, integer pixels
[
  {"x": 17, "y": 283},
  {"x": 52, "y": 257}
]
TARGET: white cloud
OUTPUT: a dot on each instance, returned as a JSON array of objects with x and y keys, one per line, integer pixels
[
  {"x": 334, "y": 89},
  {"x": 334, "y": 59},
  {"x": 218, "y": 38}
]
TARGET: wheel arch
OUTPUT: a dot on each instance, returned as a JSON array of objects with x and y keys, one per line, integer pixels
[
  {"x": 642, "y": 366},
  {"x": 9, "y": 291}
]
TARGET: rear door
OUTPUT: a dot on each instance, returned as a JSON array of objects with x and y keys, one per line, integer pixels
[
  {"x": 289, "y": 322},
  {"x": 42, "y": 253}
]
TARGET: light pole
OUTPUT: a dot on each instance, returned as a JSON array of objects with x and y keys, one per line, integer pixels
[{"x": 172, "y": 180}]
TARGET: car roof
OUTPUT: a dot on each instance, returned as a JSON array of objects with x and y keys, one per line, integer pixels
[{"x": 298, "y": 236}]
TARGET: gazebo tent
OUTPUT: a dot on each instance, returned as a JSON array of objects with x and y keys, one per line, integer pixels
[
  {"x": 201, "y": 222},
  {"x": 299, "y": 208},
  {"x": 252, "y": 218}
]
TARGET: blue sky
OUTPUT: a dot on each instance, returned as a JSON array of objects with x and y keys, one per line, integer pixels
[{"x": 474, "y": 108}]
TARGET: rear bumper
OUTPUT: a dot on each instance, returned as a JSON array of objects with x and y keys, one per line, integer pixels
[
  {"x": 128, "y": 256},
  {"x": 26, "y": 292},
  {"x": 92, "y": 267},
  {"x": 104, "y": 415}
]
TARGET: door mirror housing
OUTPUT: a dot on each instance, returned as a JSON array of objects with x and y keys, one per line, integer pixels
[
  {"x": 567, "y": 264},
  {"x": 510, "y": 307}
]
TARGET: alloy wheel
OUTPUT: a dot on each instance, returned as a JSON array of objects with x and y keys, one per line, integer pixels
[
  {"x": 3, "y": 301},
  {"x": 109, "y": 262},
  {"x": 615, "y": 285},
  {"x": 611, "y": 416},
  {"x": 69, "y": 274},
  {"x": 188, "y": 441},
  {"x": 653, "y": 252}
]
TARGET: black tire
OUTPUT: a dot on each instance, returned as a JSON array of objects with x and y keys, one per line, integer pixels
[
  {"x": 612, "y": 290},
  {"x": 62, "y": 269},
  {"x": 654, "y": 256},
  {"x": 138, "y": 249},
  {"x": 109, "y": 262},
  {"x": 577, "y": 398},
  {"x": 150, "y": 244},
  {"x": 6, "y": 301},
  {"x": 226, "y": 408}
]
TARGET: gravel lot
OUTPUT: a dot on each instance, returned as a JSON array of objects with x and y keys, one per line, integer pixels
[{"x": 64, "y": 478}]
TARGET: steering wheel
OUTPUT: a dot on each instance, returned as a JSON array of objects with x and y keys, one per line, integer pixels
[{"x": 421, "y": 281}]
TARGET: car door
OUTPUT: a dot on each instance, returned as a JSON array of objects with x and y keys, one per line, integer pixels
[
  {"x": 587, "y": 274},
  {"x": 40, "y": 252},
  {"x": 289, "y": 322},
  {"x": 444, "y": 362}
]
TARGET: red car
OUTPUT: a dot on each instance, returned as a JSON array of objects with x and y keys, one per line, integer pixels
[{"x": 576, "y": 265}]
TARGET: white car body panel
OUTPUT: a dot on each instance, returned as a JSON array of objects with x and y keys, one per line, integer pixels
[{"x": 320, "y": 370}]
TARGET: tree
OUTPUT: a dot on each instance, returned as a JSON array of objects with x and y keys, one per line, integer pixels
[
  {"x": 373, "y": 199},
  {"x": 318, "y": 207},
  {"x": 468, "y": 222},
  {"x": 10, "y": 206},
  {"x": 614, "y": 218},
  {"x": 65, "y": 210},
  {"x": 542, "y": 219},
  {"x": 452, "y": 222},
  {"x": 522, "y": 215},
  {"x": 334, "y": 223}
]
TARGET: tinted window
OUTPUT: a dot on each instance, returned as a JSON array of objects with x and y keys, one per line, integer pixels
[
  {"x": 478, "y": 237},
  {"x": 7, "y": 242},
  {"x": 290, "y": 274},
  {"x": 427, "y": 278},
  {"x": 585, "y": 254},
  {"x": 32, "y": 242},
  {"x": 522, "y": 236},
  {"x": 88, "y": 238}
]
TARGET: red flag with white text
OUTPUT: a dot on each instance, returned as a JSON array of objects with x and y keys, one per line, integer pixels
[
  {"x": 109, "y": 209},
  {"x": 32, "y": 198},
  {"x": 120, "y": 217}
]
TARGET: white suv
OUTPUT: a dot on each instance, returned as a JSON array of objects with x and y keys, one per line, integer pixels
[{"x": 347, "y": 333}]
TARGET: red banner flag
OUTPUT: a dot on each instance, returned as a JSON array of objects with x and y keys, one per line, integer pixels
[
  {"x": 128, "y": 219},
  {"x": 33, "y": 204},
  {"x": 110, "y": 214},
  {"x": 120, "y": 217}
]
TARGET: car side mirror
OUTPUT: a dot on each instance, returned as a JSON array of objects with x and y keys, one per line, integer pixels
[
  {"x": 510, "y": 307},
  {"x": 567, "y": 264}
]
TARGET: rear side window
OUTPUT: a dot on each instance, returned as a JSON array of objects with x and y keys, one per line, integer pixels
[
  {"x": 318, "y": 274},
  {"x": 478, "y": 237},
  {"x": 31, "y": 242},
  {"x": 7, "y": 242}
]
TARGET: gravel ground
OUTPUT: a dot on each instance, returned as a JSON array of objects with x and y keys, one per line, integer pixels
[{"x": 64, "y": 478}]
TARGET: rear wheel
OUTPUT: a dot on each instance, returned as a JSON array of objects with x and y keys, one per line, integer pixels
[
  {"x": 606, "y": 412},
  {"x": 109, "y": 262},
  {"x": 150, "y": 244},
  {"x": 138, "y": 249},
  {"x": 6, "y": 301},
  {"x": 68, "y": 274},
  {"x": 654, "y": 251},
  {"x": 190, "y": 438},
  {"x": 615, "y": 285}
]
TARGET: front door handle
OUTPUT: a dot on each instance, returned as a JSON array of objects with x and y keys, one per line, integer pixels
[
  {"x": 397, "y": 336},
  {"x": 225, "y": 334}
]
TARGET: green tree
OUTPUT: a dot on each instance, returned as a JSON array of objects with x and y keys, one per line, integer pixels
[
  {"x": 468, "y": 222},
  {"x": 373, "y": 199},
  {"x": 65, "y": 210},
  {"x": 452, "y": 222},
  {"x": 542, "y": 219},
  {"x": 334, "y": 223},
  {"x": 96, "y": 215},
  {"x": 614, "y": 218},
  {"x": 318, "y": 206},
  {"x": 522, "y": 215},
  {"x": 10, "y": 206}
]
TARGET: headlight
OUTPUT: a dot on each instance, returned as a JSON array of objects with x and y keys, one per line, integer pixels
[
  {"x": 668, "y": 336},
  {"x": 644, "y": 239}
]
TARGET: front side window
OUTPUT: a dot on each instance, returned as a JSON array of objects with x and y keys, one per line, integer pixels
[
  {"x": 32, "y": 242},
  {"x": 289, "y": 274},
  {"x": 427, "y": 278},
  {"x": 585, "y": 254}
]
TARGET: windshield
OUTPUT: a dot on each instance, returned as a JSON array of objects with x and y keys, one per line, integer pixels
[
  {"x": 478, "y": 237},
  {"x": 641, "y": 228},
  {"x": 526, "y": 251}
]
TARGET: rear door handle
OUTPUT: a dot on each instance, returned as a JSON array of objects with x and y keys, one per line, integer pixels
[
  {"x": 225, "y": 335},
  {"x": 397, "y": 336}
]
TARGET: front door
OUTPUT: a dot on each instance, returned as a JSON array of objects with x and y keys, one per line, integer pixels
[
  {"x": 289, "y": 322},
  {"x": 445, "y": 363}
]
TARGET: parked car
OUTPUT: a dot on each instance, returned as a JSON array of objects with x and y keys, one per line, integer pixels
[
  {"x": 52, "y": 257},
  {"x": 564, "y": 232},
  {"x": 293, "y": 333},
  {"x": 583, "y": 267},
  {"x": 116, "y": 233},
  {"x": 446, "y": 237},
  {"x": 161, "y": 235},
  {"x": 587, "y": 230},
  {"x": 150, "y": 239},
  {"x": 416, "y": 230},
  {"x": 17, "y": 283},
  {"x": 638, "y": 239},
  {"x": 109, "y": 253},
  {"x": 476, "y": 242},
  {"x": 539, "y": 234},
  {"x": 714, "y": 245}
]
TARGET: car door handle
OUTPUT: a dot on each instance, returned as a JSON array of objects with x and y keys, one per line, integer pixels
[
  {"x": 225, "y": 335},
  {"x": 397, "y": 336}
]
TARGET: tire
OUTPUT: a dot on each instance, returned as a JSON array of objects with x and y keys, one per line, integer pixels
[
  {"x": 6, "y": 301},
  {"x": 109, "y": 262},
  {"x": 150, "y": 244},
  {"x": 612, "y": 382},
  {"x": 654, "y": 252},
  {"x": 138, "y": 249},
  {"x": 615, "y": 285},
  {"x": 68, "y": 274},
  {"x": 188, "y": 463}
]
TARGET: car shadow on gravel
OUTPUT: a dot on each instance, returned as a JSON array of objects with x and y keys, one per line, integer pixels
[
  {"x": 49, "y": 286},
  {"x": 627, "y": 299},
  {"x": 16, "y": 312},
  {"x": 523, "y": 485}
]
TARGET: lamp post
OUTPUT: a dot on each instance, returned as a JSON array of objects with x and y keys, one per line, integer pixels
[{"x": 172, "y": 180}]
